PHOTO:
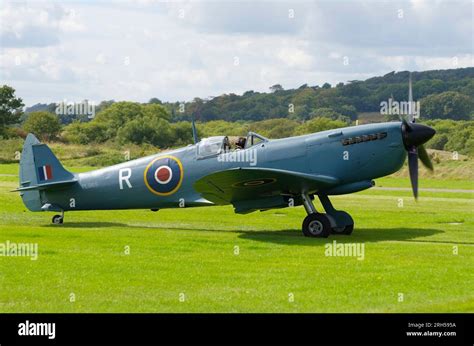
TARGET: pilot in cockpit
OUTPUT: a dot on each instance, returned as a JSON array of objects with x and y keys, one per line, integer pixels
[{"x": 240, "y": 144}]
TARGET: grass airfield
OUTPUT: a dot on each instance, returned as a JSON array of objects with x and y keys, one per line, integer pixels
[{"x": 212, "y": 260}]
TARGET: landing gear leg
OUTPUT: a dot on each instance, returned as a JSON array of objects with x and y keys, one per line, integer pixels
[
  {"x": 58, "y": 219},
  {"x": 341, "y": 222},
  {"x": 315, "y": 224}
]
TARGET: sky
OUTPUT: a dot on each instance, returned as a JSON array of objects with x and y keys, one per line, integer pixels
[{"x": 177, "y": 50}]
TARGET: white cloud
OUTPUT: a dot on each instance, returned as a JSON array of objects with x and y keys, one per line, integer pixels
[
  {"x": 35, "y": 24},
  {"x": 425, "y": 63},
  {"x": 181, "y": 50},
  {"x": 295, "y": 57}
]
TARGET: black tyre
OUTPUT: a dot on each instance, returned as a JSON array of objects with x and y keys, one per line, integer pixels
[
  {"x": 343, "y": 218},
  {"x": 57, "y": 219},
  {"x": 316, "y": 226},
  {"x": 348, "y": 229},
  {"x": 338, "y": 230}
]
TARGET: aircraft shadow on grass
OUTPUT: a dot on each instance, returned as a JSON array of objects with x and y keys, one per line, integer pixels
[{"x": 294, "y": 236}]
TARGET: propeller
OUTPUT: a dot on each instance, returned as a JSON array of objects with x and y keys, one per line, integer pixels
[
  {"x": 424, "y": 158},
  {"x": 413, "y": 169},
  {"x": 414, "y": 135}
]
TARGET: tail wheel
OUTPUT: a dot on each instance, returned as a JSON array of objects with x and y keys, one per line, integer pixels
[{"x": 316, "y": 225}]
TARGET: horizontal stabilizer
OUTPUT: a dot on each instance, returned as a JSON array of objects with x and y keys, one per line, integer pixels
[{"x": 47, "y": 186}]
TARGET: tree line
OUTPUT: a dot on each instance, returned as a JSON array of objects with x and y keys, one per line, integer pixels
[
  {"x": 446, "y": 94},
  {"x": 443, "y": 94}
]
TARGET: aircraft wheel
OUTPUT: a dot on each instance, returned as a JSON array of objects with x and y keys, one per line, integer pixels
[
  {"x": 57, "y": 219},
  {"x": 345, "y": 219},
  {"x": 348, "y": 230},
  {"x": 316, "y": 225},
  {"x": 338, "y": 230}
]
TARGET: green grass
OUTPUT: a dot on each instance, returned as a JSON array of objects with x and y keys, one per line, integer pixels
[
  {"x": 408, "y": 250},
  {"x": 426, "y": 182}
]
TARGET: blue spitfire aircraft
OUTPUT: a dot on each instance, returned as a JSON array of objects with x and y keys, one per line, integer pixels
[
  {"x": 262, "y": 175},
  {"x": 255, "y": 174}
]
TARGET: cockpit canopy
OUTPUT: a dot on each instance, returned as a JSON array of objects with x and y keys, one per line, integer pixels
[
  {"x": 254, "y": 139},
  {"x": 213, "y": 146}
]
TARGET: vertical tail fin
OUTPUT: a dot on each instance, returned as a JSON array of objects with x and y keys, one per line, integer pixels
[{"x": 39, "y": 166}]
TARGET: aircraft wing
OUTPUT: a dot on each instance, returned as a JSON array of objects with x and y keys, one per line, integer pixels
[{"x": 250, "y": 184}]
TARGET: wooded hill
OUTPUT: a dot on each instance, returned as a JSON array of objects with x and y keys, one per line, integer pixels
[{"x": 443, "y": 94}]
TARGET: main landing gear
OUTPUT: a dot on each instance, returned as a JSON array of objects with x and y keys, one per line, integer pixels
[
  {"x": 58, "y": 219},
  {"x": 322, "y": 225}
]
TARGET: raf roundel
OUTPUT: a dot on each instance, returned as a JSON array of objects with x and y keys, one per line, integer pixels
[{"x": 163, "y": 176}]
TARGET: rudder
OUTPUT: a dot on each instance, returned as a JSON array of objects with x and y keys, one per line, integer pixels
[{"x": 39, "y": 166}]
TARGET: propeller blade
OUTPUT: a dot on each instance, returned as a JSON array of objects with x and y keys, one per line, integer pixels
[
  {"x": 406, "y": 124},
  {"x": 425, "y": 158},
  {"x": 411, "y": 117},
  {"x": 413, "y": 169}
]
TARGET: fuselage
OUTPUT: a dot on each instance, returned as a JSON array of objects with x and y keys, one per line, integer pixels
[{"x": 352, "y": 154}]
